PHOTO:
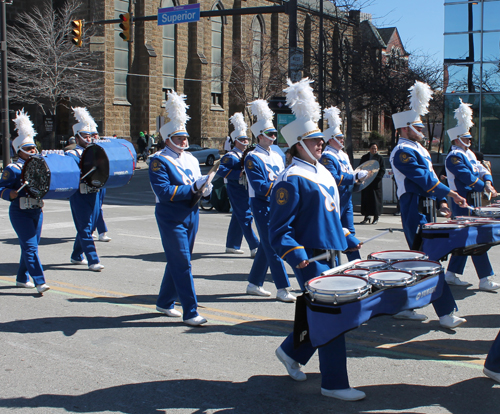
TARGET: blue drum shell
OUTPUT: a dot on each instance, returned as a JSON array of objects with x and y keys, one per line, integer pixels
[
  {"x": 114, "y": 164},
  {"x": 55, "y": 176}
]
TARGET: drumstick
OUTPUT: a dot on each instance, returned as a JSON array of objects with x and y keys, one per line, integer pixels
[
  {"x": 91, "y": 170},
  {"x": 24, "y": 185},
  {"x": 377, "y": 236},
  {"x": 326, "y": 256},
  {"x": 340, "y": 268}
]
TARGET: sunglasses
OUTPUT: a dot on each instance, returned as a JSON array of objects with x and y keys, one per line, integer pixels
[{"x": 270, "y": 134}]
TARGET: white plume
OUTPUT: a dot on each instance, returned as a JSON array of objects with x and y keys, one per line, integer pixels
[
  {"x": 176, "y": 109},
  {"x": 420, "y": 95},
  {"x": 332, "y": 115},
  {"x": 301, "y": 100},
  {"x": 24, "y": 126},
  {"x": 260, "y": 109},
  {"x": 463, "y": 115},
  {"x": 83, "y": 116},
  {"x": 238, "y": 121}
]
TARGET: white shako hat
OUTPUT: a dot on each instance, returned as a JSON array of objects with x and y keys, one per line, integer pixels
[
  {"x": 86, "y": 123},
  {"x": 260, "y": 109},
  {"x": 300, "y": 99},
  {"x": 176, "y": 116},
  {"x": 332, "y": 115},
  {"x": 25, "y": 131},
  {"x": 463, "y": 115},
  {"x": 420, "y": 95},
  {"x": 240, "y": 126}
]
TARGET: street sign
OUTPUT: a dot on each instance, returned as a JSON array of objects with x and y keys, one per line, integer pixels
[{"x": 179, "y": 14}]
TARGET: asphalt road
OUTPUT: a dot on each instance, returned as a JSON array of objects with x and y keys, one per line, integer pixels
[{"x": 94, "y": 342}]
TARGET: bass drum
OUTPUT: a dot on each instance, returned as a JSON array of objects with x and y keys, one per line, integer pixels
[
  {"x": 336, "y": 289},
  {"x": 108, "y": 163},
  {"x": 51, "y": 176}
]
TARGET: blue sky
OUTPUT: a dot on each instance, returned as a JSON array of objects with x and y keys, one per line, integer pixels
[{"x": 420, "y": 23}]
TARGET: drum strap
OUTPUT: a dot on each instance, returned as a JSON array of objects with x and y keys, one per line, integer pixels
[{"x": 300, "y": 325}]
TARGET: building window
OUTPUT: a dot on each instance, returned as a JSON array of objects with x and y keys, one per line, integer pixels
[
  {"x": 121, "y": 54},
  {"x": 217, "y": 54},
  {"x": 256, "y": 58},
  {"x": 168, "y": 53}
]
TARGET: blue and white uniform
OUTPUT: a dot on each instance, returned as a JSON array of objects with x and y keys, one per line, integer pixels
[
  {"x": 305, "y": 215},
  {"x": 465, "y": 176},
  {"x": 101, "y": 224},
  {"x": 85, "y": 210},
  {"x": 337, "y": 162},
  {"x": 241, "y": 220},
  {"x": 262, "y": 167},
  {"x": 493, "y": 359},
  {"x": 27, "y": 223},
  {"x": 172, "y": 176},
  {"x": 415, "y": 179}
]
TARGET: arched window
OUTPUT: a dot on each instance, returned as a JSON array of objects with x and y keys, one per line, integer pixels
[
  {"x": 121, "y": 54},
  {"x": 168, "y": 52},
  {"x": 217, "y": 56},
  {"x": 256, "y": 58}
]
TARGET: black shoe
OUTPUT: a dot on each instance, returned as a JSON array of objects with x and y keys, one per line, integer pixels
[
  {"x": 375, "y": 220},
  {"x": 366, "y": 221}
]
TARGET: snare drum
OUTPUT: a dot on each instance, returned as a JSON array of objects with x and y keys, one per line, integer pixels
[
  {"x": 420, "y": 268},
  {"x": 487, "y": 211},
  {"x": 391, "y": 256},
  {"x": 371, "y": 265},
  {"x": 51, "y": 176},
  {"x": 391, "y": 278},
  {"x": 361, "y": 272},
  {"x": 337, "y": 289}
]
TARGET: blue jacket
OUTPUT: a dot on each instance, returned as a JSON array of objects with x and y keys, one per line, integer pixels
[
  {"x": 11, "y": 180},
  {"x": 231, "y": 167}
]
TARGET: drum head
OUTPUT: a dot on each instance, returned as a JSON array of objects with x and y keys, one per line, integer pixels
[
  {"x": 391, "y": 278},
  {"x": 371, "y": 265},
  {"x": 398, "y": 255},
  {"x": 362, "y": 272},
  {"x": 95, "y": 156},
  {"x": 37, "y": 173},
  {"x": 419, "y": 267},
  {"x": 336, "y": 283}
]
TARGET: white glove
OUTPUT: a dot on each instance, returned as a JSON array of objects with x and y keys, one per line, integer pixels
[
  {"x": 207, "y": 190},
  {"x": 361, "y": 174},
  {"x": 199, "y": 183}
]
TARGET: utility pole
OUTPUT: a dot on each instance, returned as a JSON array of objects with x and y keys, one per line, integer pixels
[{"x": 5, "y": 84}]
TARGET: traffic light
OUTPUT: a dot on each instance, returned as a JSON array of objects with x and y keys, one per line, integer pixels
[
  {"x": 77, "y": 32},
  {"x": 125, "y": 26}
]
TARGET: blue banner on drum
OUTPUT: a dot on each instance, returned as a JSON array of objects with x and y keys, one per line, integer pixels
[{"x": 326, "y": 322}]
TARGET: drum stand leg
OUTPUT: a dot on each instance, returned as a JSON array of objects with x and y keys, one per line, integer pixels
[{"x": 335, "y": 254}]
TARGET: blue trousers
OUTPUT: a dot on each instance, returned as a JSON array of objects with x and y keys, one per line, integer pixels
[
  {"x": 100, "y": 224},
  {"x": 332, "y": 357},
  {"x": 177, "y": 238},
  {"x": 412, "y": 220},
  {"x": 85, "y": 210},
  {"x": 266, "y": 256},
  {"x": 493, "y": 359},
  {"x": 347, "y": 220},
  {"x": 28, "y": 226},
  {"x": 241, "y": 219}
]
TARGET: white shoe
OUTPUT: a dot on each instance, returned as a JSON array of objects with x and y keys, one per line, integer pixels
[
  {"x": 253, "y": 252},
  {"x": 293, "y": 367},
  {"x": 96, "y": 267},
  {"x": 79, "y": 262},
  {"x": 42, "y": 288},
  {"x": 347, "y": 394},
  {"x": 285, "y": 296},
  {"x": 411, "y": 315},
  {"x": 488, "y": 285},
  {"x": 234, "y": 251},
  {"x": 173, "y": 313},
  {"x": 452, "y": 279},
  {"x": 493, "y": 375},
  {"x": 257, "y": 290},
  {"x": 28, "y": 284},
  {"x": 104, "y": 237},
  {"x": 196, "y": 321},
  {"x": 94, "y": 237},
  {"x": 451, "y": 321}
]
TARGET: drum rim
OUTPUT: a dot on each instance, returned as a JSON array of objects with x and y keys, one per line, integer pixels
[
  {"x": 440, "y": 267},
  {"x": 28, "y": 186},
  {"x": 444, "y": 225},
  {"x": 424, "y": 255},
  {"x": 382, "y": 262},
  {"x": 389, "y": 270},
  {"x": 333, "y": 298},
  {"x": 355, "y": 268},
  {"x": 336, "y": 275}
]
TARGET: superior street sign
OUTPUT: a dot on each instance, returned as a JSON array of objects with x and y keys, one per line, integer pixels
[{"x": 179, "y": 14}]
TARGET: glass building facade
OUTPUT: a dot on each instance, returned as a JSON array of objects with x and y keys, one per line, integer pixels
[{"x": 472, "y": 68}]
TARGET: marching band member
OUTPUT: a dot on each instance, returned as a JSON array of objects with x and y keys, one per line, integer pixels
[
  {"x": 25, "y": 214},
  {"x": 467, "y": 176},
  {"x": 492, "y": 364},
  {"x": 231, "y": 168},
  {"x": 305, "y": 215},
  {"x": 175, "y": 178},
  {"x": 84, "y": 203},
  {"x": 337, "y": 162},
  {"x": 416, "y": 183},
  {"x": 262, "y": 166}
]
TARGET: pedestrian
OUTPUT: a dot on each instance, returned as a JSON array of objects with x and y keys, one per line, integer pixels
[
  {"x": 25, "y": 213},
  {"x": 417, "y": 185},
  {"x": 231, "y": 168},
  {"x": 175, "y": 178},
  {"x": 372, "y": 201},
  {"x": 305, "y": 216},
  {"x": 84, "y": 203},
  {"x": 262, "y": 166},
  {"x": 141, "y": 146}
]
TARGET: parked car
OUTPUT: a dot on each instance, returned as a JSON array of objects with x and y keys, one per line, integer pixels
[{"x": 203, "y": 155}]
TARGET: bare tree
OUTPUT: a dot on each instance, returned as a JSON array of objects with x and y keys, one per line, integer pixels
[{"x": 45, "y": 68}]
